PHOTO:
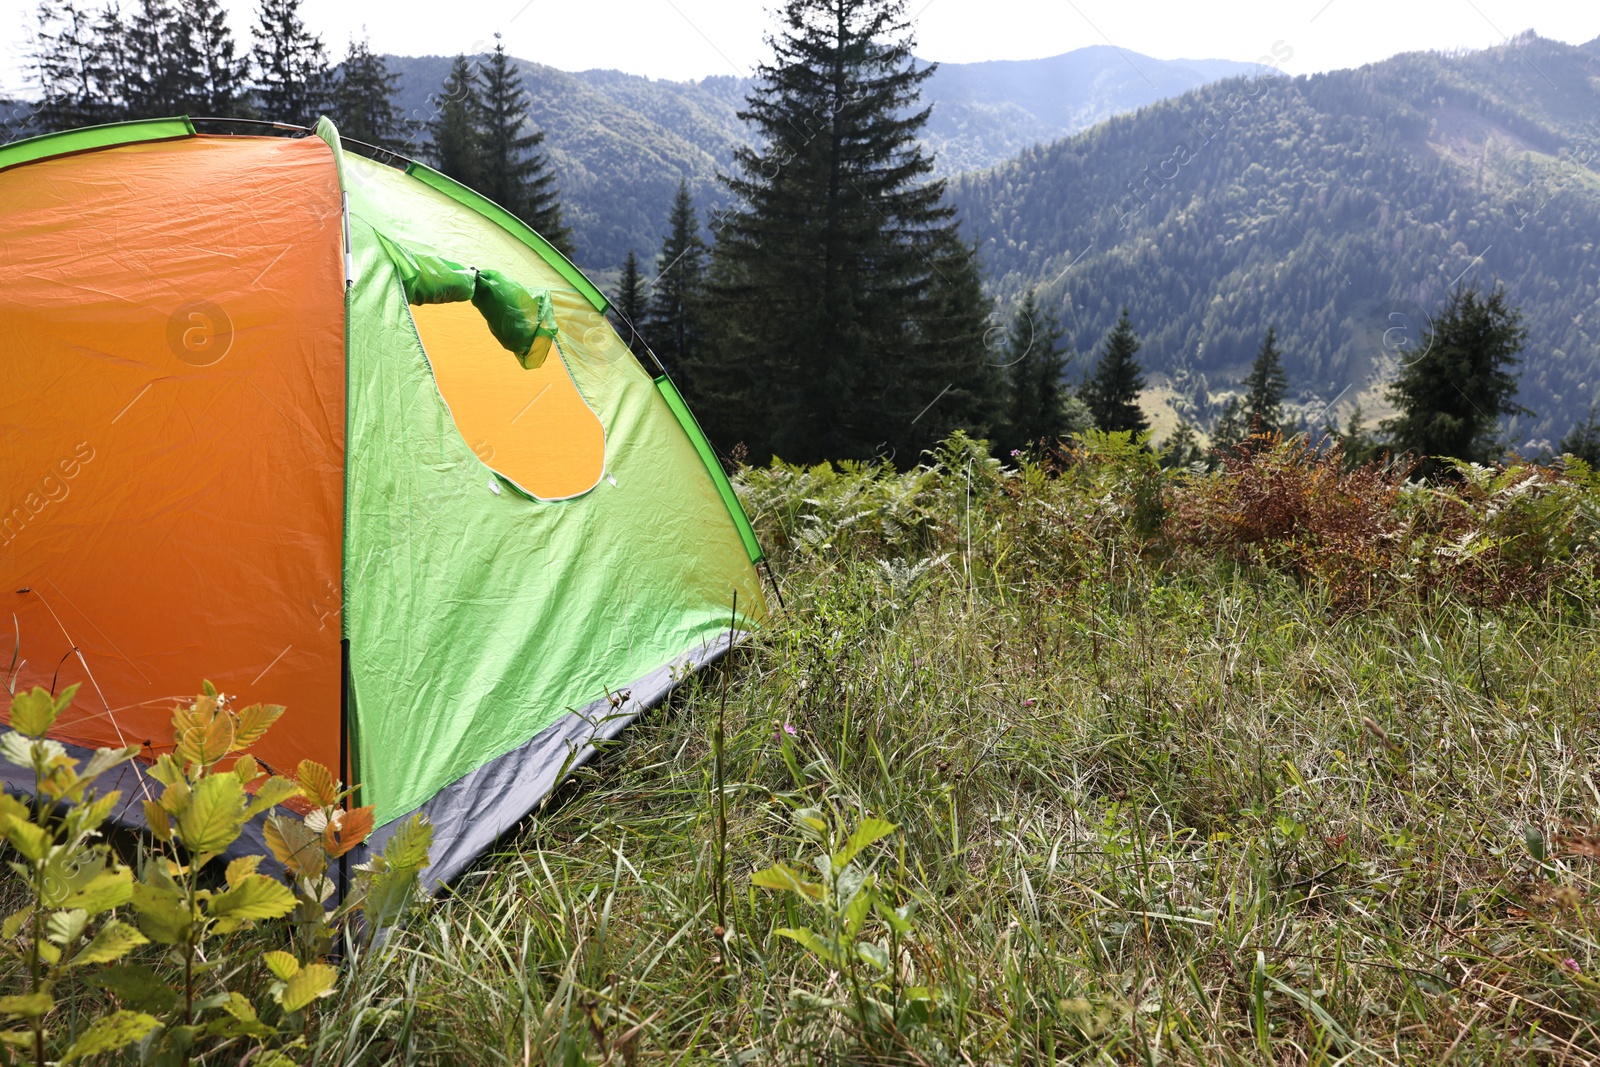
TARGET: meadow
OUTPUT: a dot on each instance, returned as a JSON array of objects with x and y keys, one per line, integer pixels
[
  {"x": 1071, "y": 760},
  {"x": 1285, "y": 763}
]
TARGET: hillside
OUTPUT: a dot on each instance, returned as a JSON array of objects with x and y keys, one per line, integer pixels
[
  {"x": 622, "y": 142},
  {"x": 1339, "y": 207}
]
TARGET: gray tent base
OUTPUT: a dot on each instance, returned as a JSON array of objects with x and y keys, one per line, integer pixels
[{"x": 469, "y": 814}]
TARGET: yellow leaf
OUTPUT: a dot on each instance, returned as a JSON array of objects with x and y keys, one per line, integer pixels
[
  {"x": 14, "y": 921},
  {"x": 307, "y": 984},
  {"x": 175, "y": 797},
  {"x": 30, "y": 840},
  {"x": 208, "y": 740},
  {"x": 155, "y": 816},
  {"x": 163, "y": 915},
  {"x": 166, "y": 770},
  {"x": 106, "y": 890},
  {"x": 297, "y": 848},
  {"x": 253, "y": 723},
  {"x": 281, "y": 964},
  {"x": 318, "y": 783},
  {"x": 27, "y": 1005},
  {"x": 254, "y": 896},
  {"x": 240, "y": 1008},
  {"x": 274, "y": 790},
  {"x": 114, "y": 941},
  {"x": 215, "y": 814},
  {"x": 239, "y": 868},
  {"x": 110, "y": 1033},
  {"x": 247, "y": 769}
]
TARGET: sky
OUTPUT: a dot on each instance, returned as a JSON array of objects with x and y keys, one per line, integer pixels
[{"x": 689, "y": 39}]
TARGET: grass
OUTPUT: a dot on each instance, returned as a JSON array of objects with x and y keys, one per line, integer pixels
[
  {"x": 1153, "y": 806},
  {"x": 1158, "y": 798}
]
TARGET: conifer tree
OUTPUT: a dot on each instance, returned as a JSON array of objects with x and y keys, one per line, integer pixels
[
  {"x": 630, "y": 303},
  {"x": 214, "y": 75},
  {"x": 1450, "y": 397},
  {"x": 455, "y": 144},
  {"x": 154, "y": 77},
  {"x": 1182, "y": 449},
  {"x": 1035, "y": 362},
  {"x": 1264, "y": 388},
  {"x": 1230, "y": 429},
  {"x": 1583, "y": 440},
  {"x": 516, "y": 174},
  {"x": 845, "y": 311},
  {"x": 1112, "y": 391},
  {"x": 69, "y": 69},
  {"x": 673, "y": 313},
  {"x": 292, "y": 76},
  {"x": 363, "y": 98}
]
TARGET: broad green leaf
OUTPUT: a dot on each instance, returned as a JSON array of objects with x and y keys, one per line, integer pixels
[
  {"x": 874, "y": 954},
  {"x": 822, "y": 947},
  {"x": 281, "y": 964},
  {"x": 307, "y": 984},
  {"x": 110, "y": 1033},
  {"x": 206, "y": 688},
  {"x": 860, "y": 906},
  {"x": 115, "y": 940},
  {"x": 90, "y": 814},
  {"x": 137, "y": 986},
  {"x": 274, "y": 790},
  {"x": 240, "y": 1007},
  {"x": 247, "y": 769},
  {"x": 215, "y": 814},
  {"x": 66, "y": 926},
  {"x": 48, "y": 952},
  {"x": 254, "y": 896},
  {"x": 273, "y": 1058},
  {"x": 163, "y": 915},
  {"x": 242, "y": 867},
  {"x": 408, "y": 848},
  {"x": 106, "y": 890},
  {"x": 29, "y": 839},
  {"x": 166, "y": 770},
  {"x": 253, "y": 723},
  {"x": 175, "y": 798},
  {"x": 155, "y": 816},
  {"x": 17, "y": 1038},
  {"x": 34, "y": 712},
  {"x": 869, "y": 831},
  {"x": 899, "y": 919},
  {"x": 27, "y": 1005},
  {"x": 783, "y": 877},
  {"x": 12, "y": 808}
]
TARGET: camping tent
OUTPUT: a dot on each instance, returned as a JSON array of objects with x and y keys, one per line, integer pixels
[{"x": 347, "y": 438}]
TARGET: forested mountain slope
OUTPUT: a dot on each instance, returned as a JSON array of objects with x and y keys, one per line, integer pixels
[
  {"x": 621, "y": 142},
  {"x": 1339, "y": 207}
]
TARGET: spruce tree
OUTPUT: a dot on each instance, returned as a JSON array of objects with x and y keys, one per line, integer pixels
[
  {"x": 1182, "y": 449},
  {"x": 630, "y": 303},
  {"x": 292, "y": 76},
  {"x": 214, "y": 74},
  {"x": 1112, "y": 391},
  {"x": 846, "y": 313},
  {"x": 673, "y": 313},
  {"x": 69, "y": 69},
  {"x": 516, "y": 174},
  {"x": 1264, "y": 388},
  {"x": 363, "y": 99},
  {"x": 1230, "y": 429},
  {"x": 1450, "y": 398},
  {"x": 1583, "y": 440},
  {"x": 1035, "y": 362},
  {"x": 455, "y": 146},
  {"x": 154, "y": 77}
]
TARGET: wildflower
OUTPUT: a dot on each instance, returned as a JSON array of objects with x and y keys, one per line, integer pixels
[
  {"x": 1015, "y": 452},
  {"x": 1571, "y": 964},
  {"x": 1028, "y": 703},
  {"x": 786, "y": 728}
]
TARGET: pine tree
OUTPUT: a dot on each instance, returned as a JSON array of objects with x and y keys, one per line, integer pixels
[
  {"x": 292, "y": 76},
  {"x": 1359, "y": 446},
  {"x": 69, "y": 69},
  {"x": 1035, "y": 363},
  {"x": 1264, "y": 388},
  {"x": 1450, "y": 397},
  {"x": 673, "y": 314},
  {"x": 516, "y": 174},
  {"x": 1230, "y": 429},
  {"x": 363, "y": 99},
  {"x": 456, "y": 147},
  {"x": 1182, "y": 449},
  {"x": 1112, "y": 391},
  {"x": 630, "y": 303},
  {"x": 845, "y": 311},
  {"x": 214, "y": 75}
]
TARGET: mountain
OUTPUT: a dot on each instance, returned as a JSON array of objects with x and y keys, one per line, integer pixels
[
  {"x": 1340, "y": 207},
  {"x": 621, "y": 142}
]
